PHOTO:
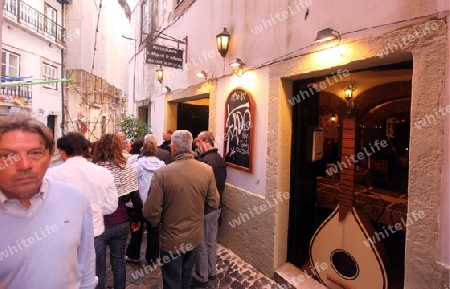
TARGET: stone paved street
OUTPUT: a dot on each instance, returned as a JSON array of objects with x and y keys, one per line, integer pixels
[{"x": 232, "y": 272}]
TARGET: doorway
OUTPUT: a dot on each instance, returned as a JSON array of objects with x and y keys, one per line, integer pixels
[
  {"x": 51, "y": 120},
  {"x": 193, "y": 115},
  {"x": 382, "y": 114},
  {"x": 143, "y": 113}
]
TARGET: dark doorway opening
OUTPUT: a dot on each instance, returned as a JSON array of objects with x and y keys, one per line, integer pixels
[
  {"x": 51, "y": 122},
  {"x": 143, "y": 113},
  {"x": 103, "y": 125},
  {"x": 192, "y": 117}
]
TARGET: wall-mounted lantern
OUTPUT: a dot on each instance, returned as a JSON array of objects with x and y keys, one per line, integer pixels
[{"x": 223, "y": 42}]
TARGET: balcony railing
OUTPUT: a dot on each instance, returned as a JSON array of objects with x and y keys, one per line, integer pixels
[
  {"x": 20, "y": 95},
  {"x": 27, "y": 16}
]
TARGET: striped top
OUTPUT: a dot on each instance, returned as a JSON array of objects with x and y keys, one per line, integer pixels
[{"x": 125, "y": 179}]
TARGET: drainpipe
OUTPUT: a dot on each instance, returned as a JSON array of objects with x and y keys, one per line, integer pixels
[{"x": 62, "y": 69}]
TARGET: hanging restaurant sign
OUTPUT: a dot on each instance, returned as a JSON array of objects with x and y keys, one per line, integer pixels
[{"x": 165, "y": 56}]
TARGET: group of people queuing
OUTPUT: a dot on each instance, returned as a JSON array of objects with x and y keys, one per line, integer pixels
[{"x": 58, "y": 222}]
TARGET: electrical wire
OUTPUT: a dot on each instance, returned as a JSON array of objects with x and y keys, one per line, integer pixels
[
  {"x": 161, "y": 32},
  {"x": 96, "y": 33},
  {"x": 286, "y": 57},
  {"x": 174, "y": 21},
  {"x": 289, "y": 55},
  {"x": 292, "y": 54}
]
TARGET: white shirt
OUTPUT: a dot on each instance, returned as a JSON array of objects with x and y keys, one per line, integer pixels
[
  {"x": 13, "y": 206},
  {"x": 95, "y": 181},
  {"x": 50, "y": 245}
]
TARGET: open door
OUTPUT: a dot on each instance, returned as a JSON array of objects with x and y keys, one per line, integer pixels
[{"x": 303, "y": 176}]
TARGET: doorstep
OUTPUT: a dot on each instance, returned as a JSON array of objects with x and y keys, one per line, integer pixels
[{"x": 292, "y": 277}]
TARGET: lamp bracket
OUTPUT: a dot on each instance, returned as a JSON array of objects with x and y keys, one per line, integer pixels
[{"x": 165, "y": 37}]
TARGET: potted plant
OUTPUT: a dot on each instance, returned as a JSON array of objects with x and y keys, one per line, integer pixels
[{"x": 133, "y": 128}]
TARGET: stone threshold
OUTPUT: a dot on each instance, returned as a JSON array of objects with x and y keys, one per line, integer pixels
[{"x": 290, "y": 276}]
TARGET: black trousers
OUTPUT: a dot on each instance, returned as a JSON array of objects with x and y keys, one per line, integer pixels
[{"x": 134, "y": 247}]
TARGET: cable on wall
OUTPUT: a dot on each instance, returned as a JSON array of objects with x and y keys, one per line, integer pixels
[
  {"x": 288, "y": 56},
  {"x": 96, "y": 33}
]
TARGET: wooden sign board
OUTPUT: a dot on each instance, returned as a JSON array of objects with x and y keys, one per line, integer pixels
[
  {"x": 239, "y": 129},
  {"x": 165, "y": 56}
]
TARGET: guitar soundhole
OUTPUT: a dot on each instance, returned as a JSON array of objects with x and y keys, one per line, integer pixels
[{"x": 344, "y": 264}]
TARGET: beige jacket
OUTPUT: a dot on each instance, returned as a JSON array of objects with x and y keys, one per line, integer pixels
[{"x": 180, "y": 194}]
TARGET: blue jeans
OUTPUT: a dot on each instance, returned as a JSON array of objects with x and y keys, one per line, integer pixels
[
  {"x": 116, "y": 238},
  {"x": 100, "y": 261},
  {"x": 206, "y": 252},
  {"x": 177, "y": 273}
]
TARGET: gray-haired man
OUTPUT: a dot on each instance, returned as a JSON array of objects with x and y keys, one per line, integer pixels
[{"x": 181, "y": 193}]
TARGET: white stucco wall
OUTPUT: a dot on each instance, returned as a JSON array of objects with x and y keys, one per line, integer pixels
[
  {"x": 112, "y": 54},
  {"x": 286, "y": 45},
  {"x": 256, "y": 82},
  {"x": 282, "y": 29}
]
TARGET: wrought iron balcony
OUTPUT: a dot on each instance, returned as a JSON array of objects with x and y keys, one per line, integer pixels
[
  {"x": 19, "y": 95},
  {"x": 28, "y": 17}
]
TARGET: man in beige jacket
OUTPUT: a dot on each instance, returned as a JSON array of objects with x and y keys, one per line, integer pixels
[{"x": 181, "y": 194}]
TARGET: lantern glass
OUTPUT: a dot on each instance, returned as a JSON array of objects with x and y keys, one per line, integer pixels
[
  {"x": 159, "y": 74},
  {"x": 223, "y": 42},
  {"x": 348, "y": 91}
]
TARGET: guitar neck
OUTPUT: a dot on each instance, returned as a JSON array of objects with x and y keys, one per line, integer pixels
[{"x": 347, "y": 174}]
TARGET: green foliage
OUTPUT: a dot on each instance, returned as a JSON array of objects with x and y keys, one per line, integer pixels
[{"x": 133, "y": 128}]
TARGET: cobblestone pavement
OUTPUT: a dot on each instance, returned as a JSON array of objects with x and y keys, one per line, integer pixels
[{"x": 232, "y": 272}]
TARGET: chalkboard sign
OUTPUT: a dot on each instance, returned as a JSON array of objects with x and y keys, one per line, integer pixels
[{"x": 239, "y": 128}]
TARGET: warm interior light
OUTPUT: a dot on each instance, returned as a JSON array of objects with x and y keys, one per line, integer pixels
[
  {"x": 326, "y": 35},
  {"x": 348, "y": 91},
  {"x": 223, "y": 42},
  {"x": 239, "y": 71},
  {"x": 159, "y": 74},
  {"x": 333, "y": 118},
  {"x": 238, "y": 66}
]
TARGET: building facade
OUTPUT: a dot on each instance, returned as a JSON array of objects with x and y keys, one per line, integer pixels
[
  {"x": 33, "y": 39},
  {"x": 394, "y": 60},
  {"x": 54, "y": 40},
  {"x": 97, "y": 57}
]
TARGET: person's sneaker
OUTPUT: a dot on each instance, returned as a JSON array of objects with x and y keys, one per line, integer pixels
[
  {"x": 131, "y": 260},
  {"x": 197, "y": 284}
]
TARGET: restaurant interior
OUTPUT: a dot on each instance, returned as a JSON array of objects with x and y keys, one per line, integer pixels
[{"x": 381, "y": 106}]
